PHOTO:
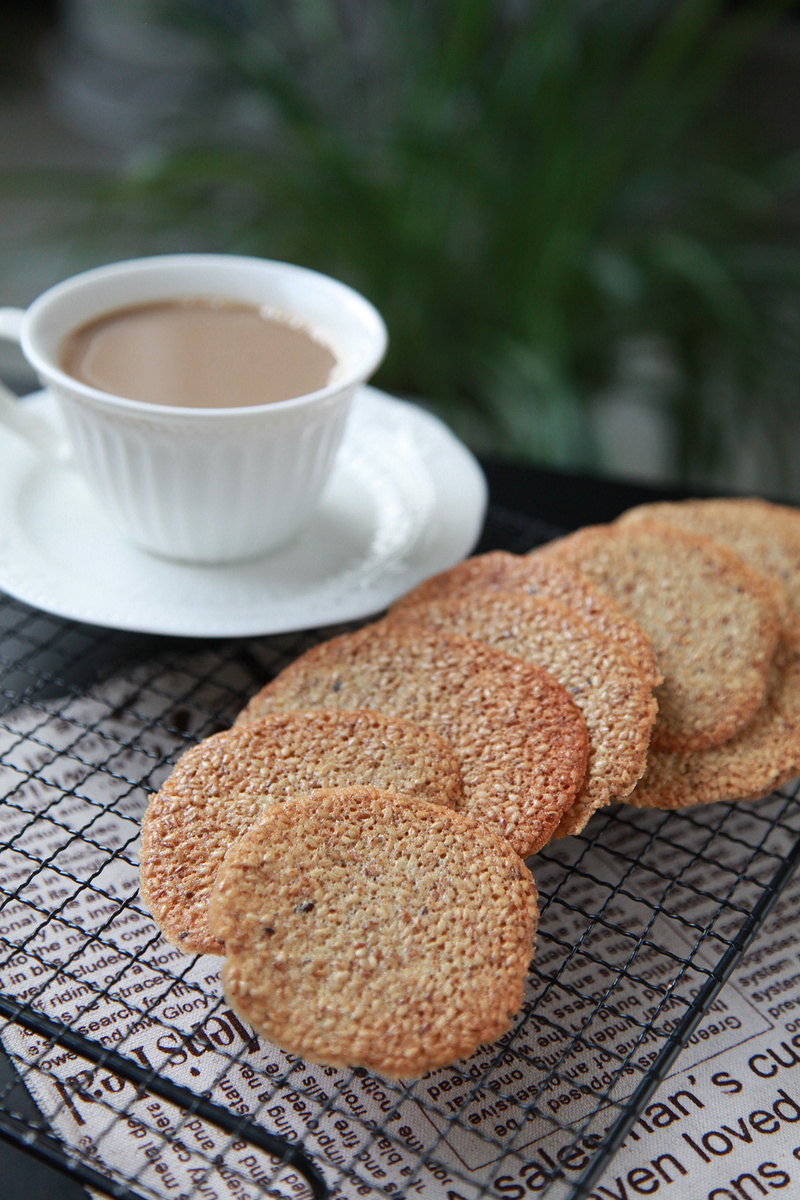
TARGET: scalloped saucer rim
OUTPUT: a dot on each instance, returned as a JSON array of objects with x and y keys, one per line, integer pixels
[{"x": 406, "y": 499}]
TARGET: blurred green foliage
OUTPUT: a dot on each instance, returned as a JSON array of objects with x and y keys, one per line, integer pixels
[{"x": 521, "y": 186}]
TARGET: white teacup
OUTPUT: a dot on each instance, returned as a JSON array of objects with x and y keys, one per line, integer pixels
[{"x": 207, "y": 485}]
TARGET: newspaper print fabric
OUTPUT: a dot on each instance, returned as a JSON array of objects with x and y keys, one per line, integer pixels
[{"x": 635, "y": 917}]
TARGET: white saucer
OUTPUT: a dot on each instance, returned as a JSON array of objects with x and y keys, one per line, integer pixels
[{"x": 406, "y": 499}]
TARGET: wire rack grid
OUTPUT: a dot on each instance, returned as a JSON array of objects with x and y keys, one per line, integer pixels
[{"x": 124, "y": 1067}]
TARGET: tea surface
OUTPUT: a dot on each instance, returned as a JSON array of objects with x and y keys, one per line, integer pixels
[{"x": 197, "y": 353}]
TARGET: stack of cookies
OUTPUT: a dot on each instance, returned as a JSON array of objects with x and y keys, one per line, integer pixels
[
  {"x": 354, "y": 845},
  {"x": 742, "y": 748}
]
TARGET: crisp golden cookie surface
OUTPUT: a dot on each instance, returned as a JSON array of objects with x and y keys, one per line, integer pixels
[
  {"x": 764, "y": 535},
  {"x": 519, "y": 738},
  {"x": 764, "y": 755},
  {"x": 608, "y": 688},
  {"x": 710, "y": 619},
  {"x": 363, "y": 928},
  {"x": 219, "y": 787},
  {"x": 549, "y": 579}
]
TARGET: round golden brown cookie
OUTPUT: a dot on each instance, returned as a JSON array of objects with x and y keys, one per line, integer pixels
[
  {"x": 710, "y": 619},
  {"x": 766, "y": 536},
  {"x": 762, "y": 757},
  {"x": 551, "y": 580},
  {"x": 219, "y": 787},
  {"x": 607, "y": 686},
  {"x": 363, "y": 928},
  {"x": 519, "y": 738}
]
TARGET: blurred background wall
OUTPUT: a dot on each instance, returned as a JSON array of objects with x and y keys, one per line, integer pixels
[{"x": 580, "y": 218}]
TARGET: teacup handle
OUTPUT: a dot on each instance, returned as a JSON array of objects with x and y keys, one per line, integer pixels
[{"x": 13, "y": 415}]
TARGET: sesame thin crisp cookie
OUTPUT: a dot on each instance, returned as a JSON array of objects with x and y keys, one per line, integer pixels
[
  {"x": 764, "y": 535},
  {"x": 219, "y": 788},
  {"x": 710, "y": 619},
  {"x": 608, "y": 688},
  {"x": 520, "y": 740},
  {"x": 365, "y": 928},
  {"x": 762, "y": 757},
  {"x": 548, "y": 579}
]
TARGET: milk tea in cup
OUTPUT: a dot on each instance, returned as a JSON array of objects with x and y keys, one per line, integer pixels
[{"x": 198, "y": 445}]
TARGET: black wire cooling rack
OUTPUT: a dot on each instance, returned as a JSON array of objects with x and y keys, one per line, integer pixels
[{"x": 124, "y": 1067}]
